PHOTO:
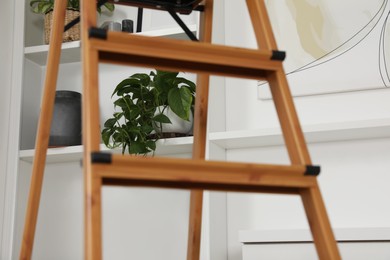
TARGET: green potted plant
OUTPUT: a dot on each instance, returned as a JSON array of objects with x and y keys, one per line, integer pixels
[
  {"x": 142, "y": 102},
  {"x": 45, "y": 7}
]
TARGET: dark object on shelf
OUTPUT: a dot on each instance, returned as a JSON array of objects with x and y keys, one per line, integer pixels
[
  {"x": 112, "y": 26},
  {"x": 140, "y": 15},
  {"x": 66, "y": 123},
  {"x": 127, "y": 25}
]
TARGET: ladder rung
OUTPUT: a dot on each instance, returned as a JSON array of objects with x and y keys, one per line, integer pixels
[
  {"x": 199, "y": 174},
  {"x": 179, "y": 55}
]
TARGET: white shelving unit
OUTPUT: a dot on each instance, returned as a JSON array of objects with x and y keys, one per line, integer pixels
[{"x": 67, "y": 159}]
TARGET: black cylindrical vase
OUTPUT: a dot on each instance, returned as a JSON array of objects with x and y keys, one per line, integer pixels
[{"x": 66, "y": 123}]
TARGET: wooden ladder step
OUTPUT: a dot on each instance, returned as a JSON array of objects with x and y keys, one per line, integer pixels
[
  {"x": 117, "y": 169},
  {"x": 180, "y": 55}
]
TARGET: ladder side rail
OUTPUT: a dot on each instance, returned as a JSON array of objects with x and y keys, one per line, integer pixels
[
  {"x": 261, "y": 25},
  {"x": 200, "y": 136},
  {"x": 318, "y": 220},
  {"x": 43, "y": 132},
  {"x": 288, "y": 118},
  {"x": 292, "y": 132},
  {"x": 91, "y": 135},
  {"x": 319, "y": 223}
]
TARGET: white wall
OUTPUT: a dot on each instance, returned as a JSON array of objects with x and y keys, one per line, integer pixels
[
  {"x": 6, "y": 48},
  {"x": 355, "y": 174}
]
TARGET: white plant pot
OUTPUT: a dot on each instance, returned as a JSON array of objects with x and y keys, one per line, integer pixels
[{"x": 178, "y": 125}]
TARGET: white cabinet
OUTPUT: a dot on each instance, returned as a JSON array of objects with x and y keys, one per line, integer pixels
[{"x": 354, "y": 244}]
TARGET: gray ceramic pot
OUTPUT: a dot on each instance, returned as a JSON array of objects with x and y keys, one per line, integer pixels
[{"x": 66, "y": 123}]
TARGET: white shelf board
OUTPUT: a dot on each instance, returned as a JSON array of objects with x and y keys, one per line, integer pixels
[
  {"x": 38, "y": 54},
  {"x": 304, "y": 235},
  {"x": 71, "y": 50},
  {"x": 179, "y": 145},
  {"x": 367, "y": 129}
]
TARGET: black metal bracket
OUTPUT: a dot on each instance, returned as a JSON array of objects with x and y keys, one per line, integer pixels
[
  {"x": 278, "y": 55},
  {"x": 182, "y": 24},
  {"x": 312, "y": 170},
  {"x": 100, "y": 157}
]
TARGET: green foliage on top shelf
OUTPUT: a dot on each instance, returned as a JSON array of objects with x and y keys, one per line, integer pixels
[
  {"x": 45, "y": 6},
  {"x": 141, "y": 102}
]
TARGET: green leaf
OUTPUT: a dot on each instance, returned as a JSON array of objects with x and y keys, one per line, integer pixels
[
  {"x": 106, "y": 134},
  {"x": 134, "y": 130},
  {"x": 180, "y": 101},
  {"x": 147, "y": 129},
  {"x": 118, "y": 115},
  {"x": 35, "y": 10},
  {"x": 138, "y": 148},
  {"x": 151, "y": 145},
  {"x": 110, "y": 6},
  {"x": 35, "y": 2},
  {"x": 134, "y": 112},
  {"x": 187, "y": 82},
  {"x": 120, "y": 135},
  {"x": 167, "y": 74},
  {"x": 47, "y": 7},
  {"x": 144, "y": 78},
  {"x": 110, "y": 123},
  {"x": 161, "y": 118},
  {"x": 41, "y": 6},
  {"x": 74, "y": 4},
  {"x": 163, "y": 81},
  {"x": 124, "y": 102},
  {"x": 123, "y": 86}
]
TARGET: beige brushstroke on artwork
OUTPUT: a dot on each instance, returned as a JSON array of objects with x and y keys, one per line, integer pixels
[{"x": 310, "y": 22}]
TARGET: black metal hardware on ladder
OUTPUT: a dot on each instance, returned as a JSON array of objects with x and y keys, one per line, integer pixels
[
  {"x": 312, "y": 170},
  {"x": 278, "y": 55},
  {"x": 98, "y": 33},
  {"x": 100, "y": 157}
]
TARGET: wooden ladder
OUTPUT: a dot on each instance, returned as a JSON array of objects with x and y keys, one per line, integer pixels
[{"x": 196, "y": 174}]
